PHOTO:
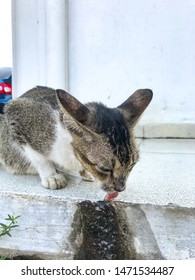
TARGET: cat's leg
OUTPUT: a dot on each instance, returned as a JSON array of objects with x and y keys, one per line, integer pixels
[
  {"x": 49, "y": 177},
  {"x": 13, "y": 160}
]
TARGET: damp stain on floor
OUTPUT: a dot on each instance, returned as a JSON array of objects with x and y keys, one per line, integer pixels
[{"x": 101, "y": 235}]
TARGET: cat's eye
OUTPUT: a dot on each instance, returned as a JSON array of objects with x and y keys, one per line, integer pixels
[{"x": 103, "y": 169}]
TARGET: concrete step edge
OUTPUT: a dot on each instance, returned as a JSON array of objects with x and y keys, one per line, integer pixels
[{"x": 58, "y": 229}]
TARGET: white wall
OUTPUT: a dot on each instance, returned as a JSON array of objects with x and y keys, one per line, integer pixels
[
  {"x": 118, "y": 46},
  {"x": 114, "y": 48},
  {"x": 39, "y": 44},
  {"x": 5, "y": 34}
]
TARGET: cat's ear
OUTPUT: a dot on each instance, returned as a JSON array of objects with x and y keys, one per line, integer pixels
[
  {"x": 72, "y": 106},
  {"x": 135, "y": 105},
  {"x": 76, "y": 116}
]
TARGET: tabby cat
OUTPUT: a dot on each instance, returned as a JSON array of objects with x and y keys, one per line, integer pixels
[{"x": 45, "y": 129}]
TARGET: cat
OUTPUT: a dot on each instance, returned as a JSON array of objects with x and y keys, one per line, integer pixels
[{"x": 45, "y": 129}]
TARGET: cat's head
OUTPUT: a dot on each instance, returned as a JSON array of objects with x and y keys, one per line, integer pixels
[{"x": 102, "y": 138}]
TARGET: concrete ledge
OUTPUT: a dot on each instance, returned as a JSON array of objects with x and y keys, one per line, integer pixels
[
  {"x": 166, "y": 130},
  {"x": 56, "y": 229},
  {"x": 162, "y": 231},
  {"x": 43, "y": 229},
  {"x": 163, "y": 175}
]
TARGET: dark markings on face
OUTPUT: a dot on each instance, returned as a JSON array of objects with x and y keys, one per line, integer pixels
[{"x": 111, "y": 123}]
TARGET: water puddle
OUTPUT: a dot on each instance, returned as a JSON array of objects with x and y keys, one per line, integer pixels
[{"x": 101, "y": 236}]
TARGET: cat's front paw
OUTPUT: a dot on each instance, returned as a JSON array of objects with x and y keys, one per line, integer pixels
[{"x": 54, "y": 182}]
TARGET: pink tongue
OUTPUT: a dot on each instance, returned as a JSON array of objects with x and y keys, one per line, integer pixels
[{"x": 111, "y": 196}]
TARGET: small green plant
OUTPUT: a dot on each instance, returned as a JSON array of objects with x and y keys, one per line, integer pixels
[{"x": 5, "y": 229}]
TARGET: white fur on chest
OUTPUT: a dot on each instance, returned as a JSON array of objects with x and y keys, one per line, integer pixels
[{"x": 62, "y": 150}]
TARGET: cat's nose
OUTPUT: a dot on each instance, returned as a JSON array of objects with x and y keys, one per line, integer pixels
[{"x": 120, "y": 185}]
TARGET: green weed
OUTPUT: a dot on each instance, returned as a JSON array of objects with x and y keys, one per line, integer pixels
[{"x": 5, "y": 229}]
